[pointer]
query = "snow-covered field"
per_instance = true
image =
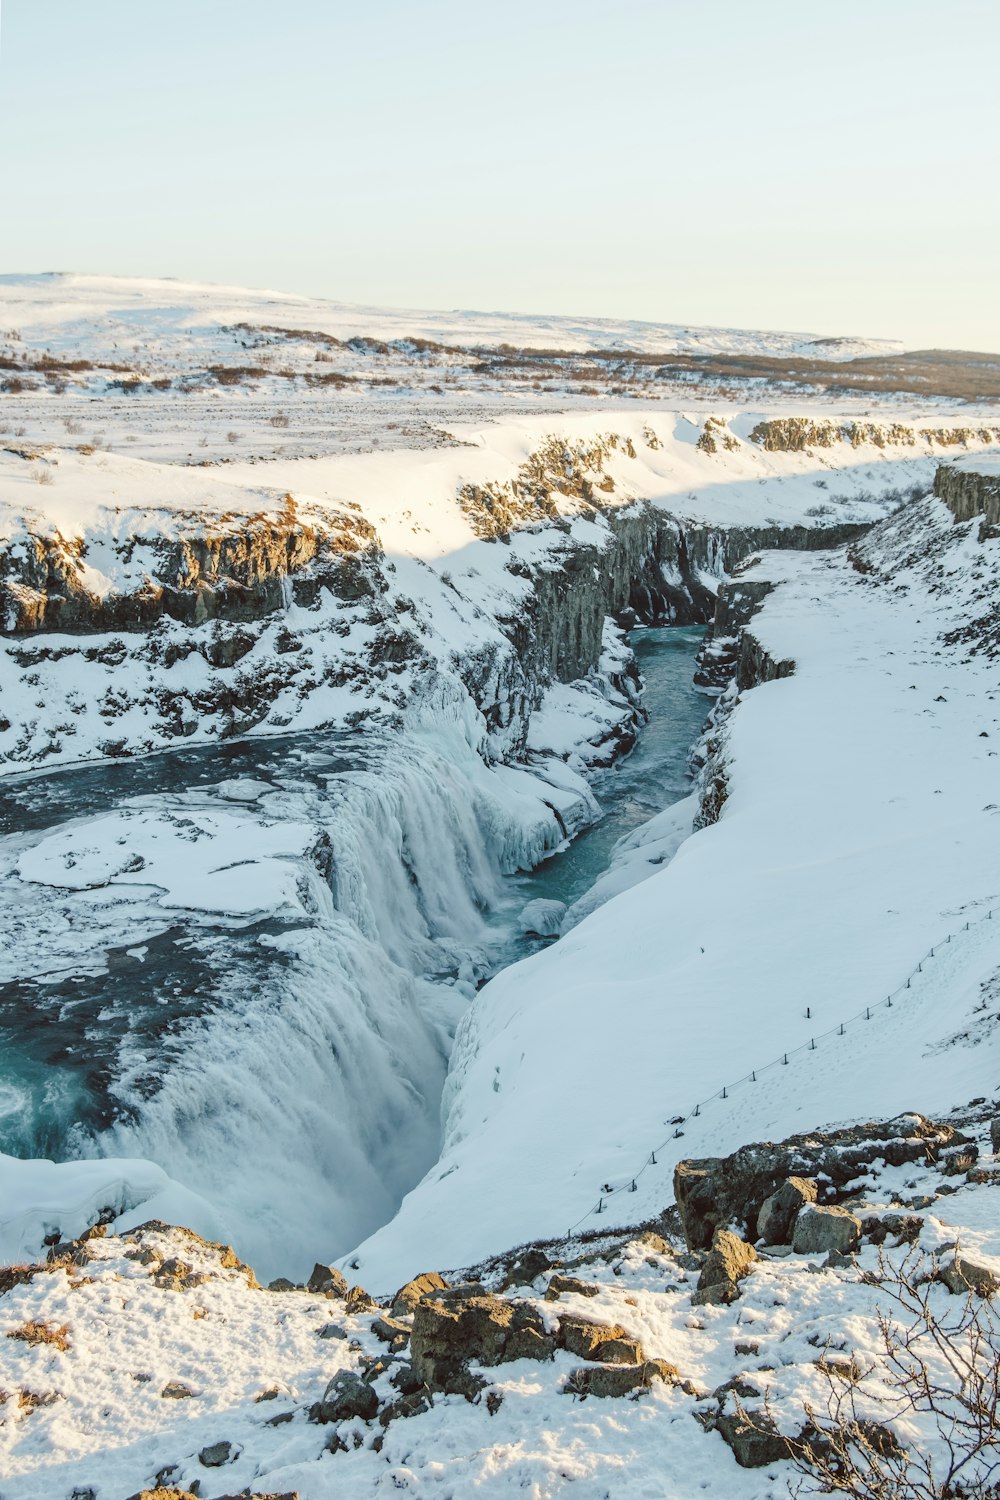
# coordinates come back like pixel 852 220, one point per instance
pixel 109 313
pixel 182 372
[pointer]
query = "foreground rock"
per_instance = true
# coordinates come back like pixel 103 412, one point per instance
pixel 469 1325
pixel 819 1230
pixel 714 1192
pixel 755 1441
pixel 347 1396
pixel 778 1213
pixel 961 1276
pixel 728 1262
pixel 406 1299
pixel 619 1380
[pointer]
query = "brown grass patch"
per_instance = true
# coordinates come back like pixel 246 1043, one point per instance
pixel 57 1336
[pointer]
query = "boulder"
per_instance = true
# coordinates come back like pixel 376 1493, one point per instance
pixel 652 1243
pixel 469 1325
pixel 777 1213
pixel 176 1390
pixel 904 1227
pixel 281 1284
pixel 163 1493
pixel 527 1267
pixel 626 1351
pixel 618 1380
pixel 995 1135
pixel 390 1332
pixel 358 1300
pixel 542 918
pixel 412 1405
pixel 822 1228
pixel 719 1294
pixel 729 1260
pixel 405 1379
pixel 347 1396
pixel 327 1279
pixel 560 1284
pixel 175 1269
pixel 409 1295
pixel 713 1192
pixel 217 1454
pixel 332 1331
pixel 878 1438
pixel 606 1342
pixel 961 1276
pixel 755 1441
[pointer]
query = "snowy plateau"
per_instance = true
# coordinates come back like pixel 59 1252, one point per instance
pixel 500 898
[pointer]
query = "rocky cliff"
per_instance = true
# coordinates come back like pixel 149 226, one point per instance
pixel 232 568
pixel 136 614
pixel 970 492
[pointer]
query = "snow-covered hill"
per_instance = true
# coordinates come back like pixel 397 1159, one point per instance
pixel 66 312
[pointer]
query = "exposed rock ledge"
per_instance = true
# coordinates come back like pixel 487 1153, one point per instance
pixel 971 491
pixel 294 612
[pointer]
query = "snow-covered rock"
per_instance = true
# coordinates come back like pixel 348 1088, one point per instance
pixel 542 918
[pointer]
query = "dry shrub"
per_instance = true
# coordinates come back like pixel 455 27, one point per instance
pixel 939 1365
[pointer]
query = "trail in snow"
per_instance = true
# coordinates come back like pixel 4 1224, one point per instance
pixel 924 989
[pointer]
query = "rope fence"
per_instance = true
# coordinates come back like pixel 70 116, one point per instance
pixel 630 1184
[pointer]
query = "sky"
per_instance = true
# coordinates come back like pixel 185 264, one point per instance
pixel 783 164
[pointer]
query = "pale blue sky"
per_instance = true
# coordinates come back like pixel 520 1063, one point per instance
pixel 796 164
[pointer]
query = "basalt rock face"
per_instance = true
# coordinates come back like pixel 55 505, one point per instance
pixel 652 570
pixel 113 618
pixel 969 494
pixel 240 571
pixel 729 650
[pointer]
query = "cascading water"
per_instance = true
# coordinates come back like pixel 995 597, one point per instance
pixel 258 954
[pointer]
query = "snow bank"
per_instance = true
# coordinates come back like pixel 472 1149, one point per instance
pixel 42 1200
pixel 860 827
